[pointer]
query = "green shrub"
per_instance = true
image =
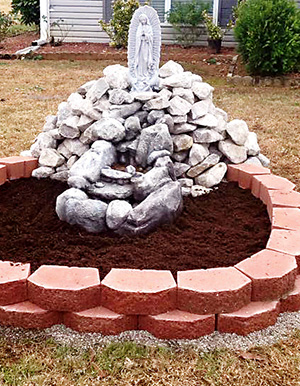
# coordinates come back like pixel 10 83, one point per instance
pixel 186 18
pixel 268 36
pixel 5 22
pixel 29 10
pixel 118 27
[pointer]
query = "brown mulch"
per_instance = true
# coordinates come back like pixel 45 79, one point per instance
pixel 215 230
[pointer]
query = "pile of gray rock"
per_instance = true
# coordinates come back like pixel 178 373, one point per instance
pixel 130 157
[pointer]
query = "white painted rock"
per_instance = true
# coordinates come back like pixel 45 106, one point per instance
pixel 200 109
pixel 181 128
pixel 68 128
pixel 251 144
pixel 209 161
pixel 183 79
pixel 108 129
pixel 82 90
pixel 184 93
pixel 117 76
pixel 208 120
pixel 238 131
pixel 51 158
pixel 235 153
pixel 43 141
pixel 198 153
pixel 179 106
pixel 117 212
pixel 97 90
pixel 202 90
pixel 206 136
pixel 170 68
pixel 264 160
pixel 42 172
pixel 212 176
pixel 159 103
pixel 253 161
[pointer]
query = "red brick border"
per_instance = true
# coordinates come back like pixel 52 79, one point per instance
pixel 239 299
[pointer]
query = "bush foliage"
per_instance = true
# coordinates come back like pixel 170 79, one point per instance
pixel 5 22
pixel 268 36
pixel 118 27
pixel 29 10
pixel 186 18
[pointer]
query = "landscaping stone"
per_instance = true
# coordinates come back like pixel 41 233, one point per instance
pixel 212 176
pixel 238 131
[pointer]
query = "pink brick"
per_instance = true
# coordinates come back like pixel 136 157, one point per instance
pixel 291 302
pixel 177 325
pixel 3 174
pixel 286 218
pixel 232 173
pixel 15 167
pixel 64 288
pixel 101 320
pixel 28 315
pixel 286 242
pixel 213 291
pixel 13 282
pixel 246 173
pixel 272 273
pixel 133 291
pixel 279 199
pixel 261 185
pixel 30 163
pixel 253 317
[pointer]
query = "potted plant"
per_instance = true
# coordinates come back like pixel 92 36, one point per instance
pixel 215 33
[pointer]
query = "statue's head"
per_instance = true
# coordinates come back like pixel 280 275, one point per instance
pixel 143 19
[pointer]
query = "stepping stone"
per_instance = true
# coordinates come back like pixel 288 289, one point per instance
pixel 143 292
pixel 272 273
pixel 101 320
pixel 212 291
pixel 253 317
pixel 13 282
pixel 28 315
pixel 177 325
pixel 62 288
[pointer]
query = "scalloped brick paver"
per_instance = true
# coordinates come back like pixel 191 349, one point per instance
pixel 134 291
pixel 213 291
pixel 262 184
pixel 286 218
pixel 13 282
pixel 272 273
pixel 101 320
pixel 232 173
pixel 278 199
pixel 3 174
pixel 291 302
pixel 64 288
pixel 253 317
pixel 30 163
pixel 246 173
pixel 285 241
pixel 15 167
pixel 177 325
pixel 28 315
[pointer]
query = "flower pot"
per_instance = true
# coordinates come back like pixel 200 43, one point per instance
pixel 214 45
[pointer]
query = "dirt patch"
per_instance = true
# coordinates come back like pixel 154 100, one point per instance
pixel 15 43
pixel 216 230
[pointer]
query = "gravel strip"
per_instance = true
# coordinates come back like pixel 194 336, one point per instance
pixel 286 324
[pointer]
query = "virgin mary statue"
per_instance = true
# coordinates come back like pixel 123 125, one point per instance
pixel 144 48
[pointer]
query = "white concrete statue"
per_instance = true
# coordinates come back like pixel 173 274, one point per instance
pixel 144 44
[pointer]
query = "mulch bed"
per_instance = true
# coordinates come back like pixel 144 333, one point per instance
pixel 216 230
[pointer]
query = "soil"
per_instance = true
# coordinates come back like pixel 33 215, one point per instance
pixel 216 230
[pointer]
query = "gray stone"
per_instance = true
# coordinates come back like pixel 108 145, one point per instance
pixel 149 182
pixel 114 174
pixel 156 137
pixel 185 191
pixel 253 161
pixel 238 131
pixel 64 151
pixel 131 170
pixel 89 165
pixel 198 190
pixel 85 87
pixel 88 214
pixel 55 134
pixel 209 161
pixel 202 90
pixel 179 119
pixel 161 206
pixel 154 116
pixel 251 144
pixel 85 138
pixel 117 76
pixel 168 120
pixel 117 213
pixel 102 104
pixel 157 154
pixel 125 146
pixel 183 80
pixel 42 172
pixel 179 106
pixel 206 136
pixel 180 168
pixel 43 141
pixel 123 111
pixel 165 93
pixel 156 104
pixel 212 176
pixel 118 97
pixel 75 101
pixel 221 126
pixel 183 128
pixel 78 182
pixel 108 129
pixel 264 160
pixel 69 129
pixel 75 147
pixel 61 168
pixel 64 111
pixel 111 191
pixel 221 113
pixel 197 154
pixel 170 68
pixel 184 93
pixel 142 116
pixel 182 142
pixel 62 199
pixel 181 156
pixel 71 161
pixel 200 109
pixel 26 153
pixel 97 90
pixel 235 153
pixel 186 182
pixel 133 127
pixel 208 120
pixel 60 176
pixel 51 158
pixel 144 96
pixel 50 123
